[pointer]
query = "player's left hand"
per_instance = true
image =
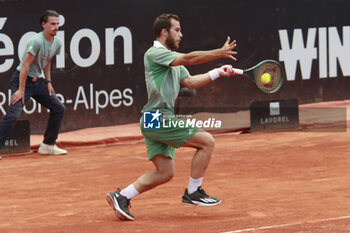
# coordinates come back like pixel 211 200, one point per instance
pixel 50 89
pixel 227 49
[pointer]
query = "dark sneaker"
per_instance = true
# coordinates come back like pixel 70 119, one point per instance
pixel 120 205
pixel 199 198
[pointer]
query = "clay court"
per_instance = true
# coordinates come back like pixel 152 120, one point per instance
pixel 296 181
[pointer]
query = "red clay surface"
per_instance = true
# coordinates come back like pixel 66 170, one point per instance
pixel 268 182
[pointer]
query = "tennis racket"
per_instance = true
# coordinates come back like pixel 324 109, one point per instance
pixel 268 75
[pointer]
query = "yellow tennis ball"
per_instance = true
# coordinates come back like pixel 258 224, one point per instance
pixel 266 78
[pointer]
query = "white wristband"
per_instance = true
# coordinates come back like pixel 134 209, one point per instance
pixel 214 74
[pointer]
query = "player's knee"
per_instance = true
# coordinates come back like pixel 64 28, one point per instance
pixel 166 175
pixel 61 108
pixel 168 178
pixel 165 168
pixel 57 108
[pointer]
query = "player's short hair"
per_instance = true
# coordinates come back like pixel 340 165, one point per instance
pixel 163 22
pixel 46 14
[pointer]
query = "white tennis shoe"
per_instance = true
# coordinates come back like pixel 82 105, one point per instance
pixel 51 150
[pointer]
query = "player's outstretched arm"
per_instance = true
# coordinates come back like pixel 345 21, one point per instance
pixel 197 81
pixel 198 57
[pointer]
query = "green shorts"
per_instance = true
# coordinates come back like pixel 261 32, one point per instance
pixel 164 140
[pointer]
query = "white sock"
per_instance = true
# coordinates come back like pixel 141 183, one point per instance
pixel 194 184
pixel 129 192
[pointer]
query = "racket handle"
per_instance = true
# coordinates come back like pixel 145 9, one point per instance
pixel 238 71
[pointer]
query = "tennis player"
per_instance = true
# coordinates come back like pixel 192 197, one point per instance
pixel 164 73
pixel 27 82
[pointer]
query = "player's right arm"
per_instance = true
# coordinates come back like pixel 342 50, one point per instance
pixel 198 57
pixel 19 94
pixel 199 80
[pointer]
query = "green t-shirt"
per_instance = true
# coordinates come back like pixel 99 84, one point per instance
pixel 42 51
pixel 162 79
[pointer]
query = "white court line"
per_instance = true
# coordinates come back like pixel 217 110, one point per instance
pixel 289 224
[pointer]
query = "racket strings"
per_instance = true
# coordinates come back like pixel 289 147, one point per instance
pixel 276 75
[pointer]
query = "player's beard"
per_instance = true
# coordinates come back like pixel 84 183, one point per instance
pixel 171 43
pixel 53 33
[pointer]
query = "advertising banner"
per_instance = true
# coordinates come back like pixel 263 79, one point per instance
pixel 99 73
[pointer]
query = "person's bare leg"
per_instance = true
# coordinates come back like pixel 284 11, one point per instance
pixel 194 194
pixel 120 199
pixel 204 143
pixel 164 172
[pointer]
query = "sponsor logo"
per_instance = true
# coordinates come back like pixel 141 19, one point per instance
pixel 208 200
pixel 274 117
pixel 328 46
